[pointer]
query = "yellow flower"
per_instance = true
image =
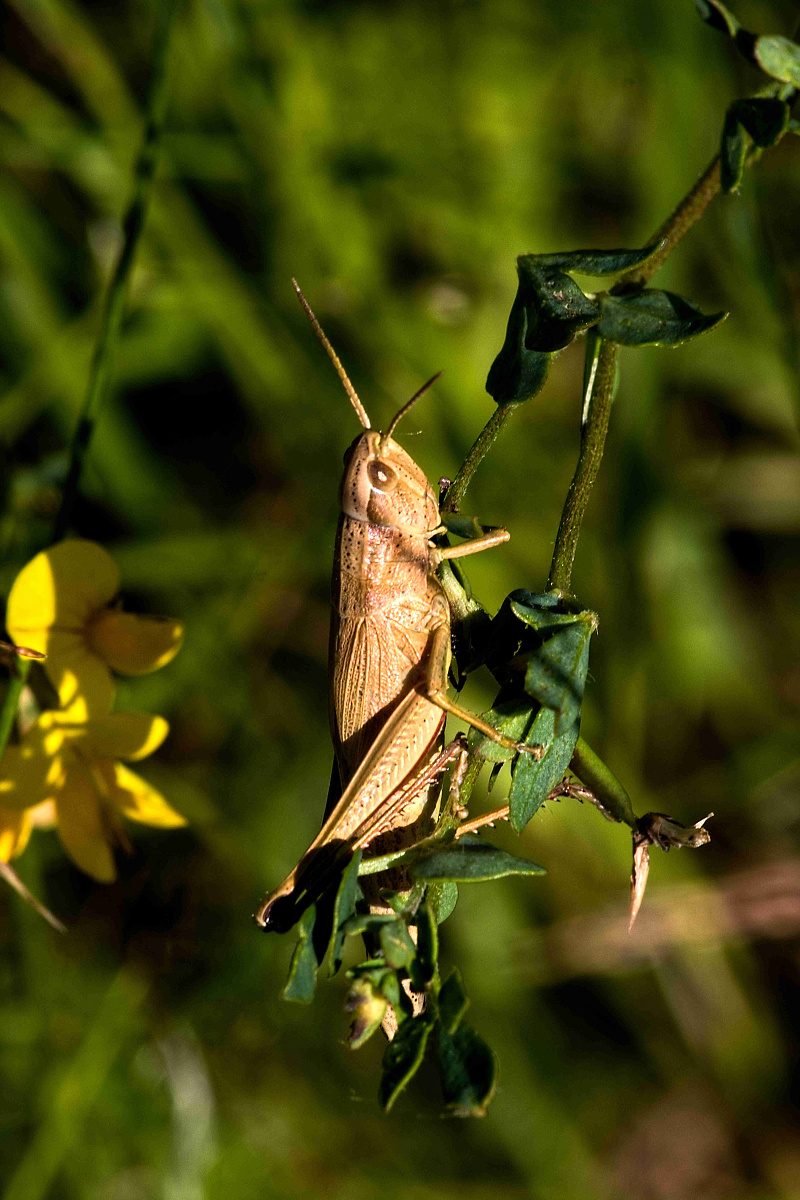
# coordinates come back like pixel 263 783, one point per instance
pixel 69 758
pixel 59 605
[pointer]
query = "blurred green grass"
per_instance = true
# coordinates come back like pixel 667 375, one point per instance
pixel 395 158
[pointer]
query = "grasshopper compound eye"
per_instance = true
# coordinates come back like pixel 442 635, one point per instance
pixel 381 475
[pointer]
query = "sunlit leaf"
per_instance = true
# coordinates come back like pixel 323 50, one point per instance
pixel 533 780
pixel 442 898
pixel 779 57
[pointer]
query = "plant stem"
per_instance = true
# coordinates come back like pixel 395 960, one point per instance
pixel 114 306
pixel 676 226
pixel 478 451
pixel 594 427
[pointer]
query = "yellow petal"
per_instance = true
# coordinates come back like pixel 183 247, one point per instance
pixel 81 827
pixel 77 673
pixel 34 770
pixel 61 586
pixel 140 801
pixel 132 644
pixel 130 735
pixel 15 829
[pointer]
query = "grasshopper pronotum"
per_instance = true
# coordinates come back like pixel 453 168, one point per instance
pixel 389 656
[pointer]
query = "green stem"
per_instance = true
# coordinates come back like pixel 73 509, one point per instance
pixel 676 226
pixel 480 448
pixel 594 427
pixel 8 712
pixel 602 782
pixel 113 309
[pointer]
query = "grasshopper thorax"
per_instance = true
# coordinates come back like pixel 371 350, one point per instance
pixel 382 485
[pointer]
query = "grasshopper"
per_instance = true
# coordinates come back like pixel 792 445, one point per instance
pixel 388 660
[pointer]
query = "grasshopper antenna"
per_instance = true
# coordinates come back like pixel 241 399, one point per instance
pixel 361 412
pixel 409 404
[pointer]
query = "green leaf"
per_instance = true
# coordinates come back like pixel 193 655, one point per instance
pixel 733 149
pixel 519 371
pixel 302 978
pixel 402 1059
pixel 463 526
pixel 717 16
pixel 453 1002
pixel 764 117
pixel 556 673
pixel 594 262
pixel 367 922
pixel 511 718
pixel 442 897
pixel 343 908
pixel 653 318
pixel 779 57
pixel 470 860
pixel 427 944
pixel 468 1070
pixel 532 781
pixel 557 308
pixel 396 944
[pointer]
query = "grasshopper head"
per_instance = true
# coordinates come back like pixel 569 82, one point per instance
pixel 384 486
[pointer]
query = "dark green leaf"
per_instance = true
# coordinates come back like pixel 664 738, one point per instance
pixel 468 1069
pixel 302 978
pixel 653 318
pixel 470 860
pixel 518 372
pixel 402 1059
pixel 532 780
pixel 556 673
pixel 764 117
pixel 556 307
pixel 779 57
pixel 343 908
pixel 453 1002
pixel 427 943
pixel 733 149
pixel 442 898
pixel 396 944
pixel 594 262
pixel 462 526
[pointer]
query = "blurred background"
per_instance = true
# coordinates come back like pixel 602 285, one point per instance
pixel 396 157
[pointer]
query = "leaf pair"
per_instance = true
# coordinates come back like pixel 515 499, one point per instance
pixel 777 56
pixel 550 309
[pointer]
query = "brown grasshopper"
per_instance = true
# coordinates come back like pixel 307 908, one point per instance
pixel 389 658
